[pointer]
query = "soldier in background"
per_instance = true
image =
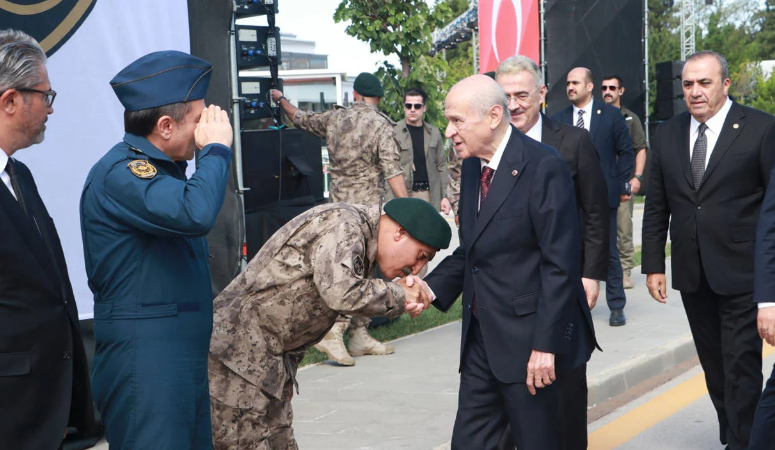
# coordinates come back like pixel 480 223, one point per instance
pixel 316 267
pixel 362 151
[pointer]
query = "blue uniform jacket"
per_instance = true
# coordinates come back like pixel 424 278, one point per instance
pixel 147 263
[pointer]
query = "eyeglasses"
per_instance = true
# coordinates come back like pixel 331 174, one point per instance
pixel 49 94
pixel 520 97
pixel 609 88
pixel 415 105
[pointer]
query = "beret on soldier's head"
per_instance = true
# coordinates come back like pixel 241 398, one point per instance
pixel 421 220
pixel 368 85
pixel 162 78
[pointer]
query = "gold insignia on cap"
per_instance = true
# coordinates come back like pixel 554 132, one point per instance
pixel 735 126
pixel 142 169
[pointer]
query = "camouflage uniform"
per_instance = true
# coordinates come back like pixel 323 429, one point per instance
pixel 285 301
pixel 362 152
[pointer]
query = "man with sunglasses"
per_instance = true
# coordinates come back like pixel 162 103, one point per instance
pixel 423 159
pixel 44 376
pixel 612 90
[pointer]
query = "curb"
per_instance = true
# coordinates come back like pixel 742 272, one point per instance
pixel 623 376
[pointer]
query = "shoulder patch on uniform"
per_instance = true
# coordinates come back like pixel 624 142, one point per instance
pixel 142 169
pixel 358 265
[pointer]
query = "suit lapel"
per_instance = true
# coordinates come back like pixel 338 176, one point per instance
pixel 25 226
pixel 507 175
pixel 594 118
pixel 684 152
pixel 470 174
pixel 733 125
pixel 550 133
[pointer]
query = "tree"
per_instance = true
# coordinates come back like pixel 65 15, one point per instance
pixel 401 28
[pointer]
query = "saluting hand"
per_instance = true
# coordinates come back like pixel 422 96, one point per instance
pixel 214 128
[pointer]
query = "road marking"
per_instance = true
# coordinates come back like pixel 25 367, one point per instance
pixel 645 416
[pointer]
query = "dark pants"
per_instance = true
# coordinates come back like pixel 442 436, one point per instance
pixel 730 351
pixel 574 411
pixel 763 432
pixel 614 287
pixel 486 406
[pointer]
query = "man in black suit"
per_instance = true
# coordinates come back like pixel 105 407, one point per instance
pixel 526 322
pixel 614 147
pixel 521 78
pixel 44 378
pixel 710 168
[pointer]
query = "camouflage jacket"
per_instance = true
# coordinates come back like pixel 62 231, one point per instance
pixel 289 296
pixel 453 188
pixel 362 150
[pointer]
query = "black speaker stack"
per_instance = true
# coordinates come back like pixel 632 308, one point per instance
pixel 670 96
pixel 282 168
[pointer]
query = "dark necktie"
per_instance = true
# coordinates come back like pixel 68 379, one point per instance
pixel 698 156
pixel 484 184
pixel 10 169
pixel 580 122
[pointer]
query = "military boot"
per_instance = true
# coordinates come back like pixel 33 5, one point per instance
pixel 333 345
pixel 361 343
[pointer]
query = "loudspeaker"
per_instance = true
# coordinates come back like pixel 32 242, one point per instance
pixel 666 109
pixel 281 165
pixel 668 89
pixel 605 37
pixel 669 70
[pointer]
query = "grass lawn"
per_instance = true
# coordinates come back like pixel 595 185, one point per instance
pixel 404 326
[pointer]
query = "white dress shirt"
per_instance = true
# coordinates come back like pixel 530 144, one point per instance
pixel 3 174
pixel 536 132
pixel 715 124
pixel 587 114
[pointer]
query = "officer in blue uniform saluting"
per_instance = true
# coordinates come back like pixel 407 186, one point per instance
pixel 144 227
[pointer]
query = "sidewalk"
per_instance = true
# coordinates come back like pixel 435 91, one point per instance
pixel 408 400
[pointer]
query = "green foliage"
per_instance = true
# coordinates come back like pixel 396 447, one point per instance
pixel 765 95
pixel 402 29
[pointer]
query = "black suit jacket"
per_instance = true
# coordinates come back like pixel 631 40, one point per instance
pixel 613 144
pixel 576 148
pixel 519 257
pixel 713 228
pixel 44 378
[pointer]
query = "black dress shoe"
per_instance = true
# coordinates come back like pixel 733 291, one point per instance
pixel 617 318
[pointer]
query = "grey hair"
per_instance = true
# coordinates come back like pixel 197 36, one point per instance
pixel 21 59
pixel 520 63
pixel 491 94
pixel 709 53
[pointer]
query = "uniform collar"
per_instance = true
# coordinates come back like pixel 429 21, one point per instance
pixel 145 147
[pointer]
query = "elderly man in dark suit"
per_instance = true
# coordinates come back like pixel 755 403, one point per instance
pixel 614 146
pixel 526 322
pixel 521 78
pixel 44 378
pixel 710 168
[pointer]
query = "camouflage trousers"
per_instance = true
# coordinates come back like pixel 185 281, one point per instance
pixel 264 426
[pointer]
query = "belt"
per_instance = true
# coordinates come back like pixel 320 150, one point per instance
pixel 421 186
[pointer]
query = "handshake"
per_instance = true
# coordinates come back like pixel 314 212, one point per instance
pixel 418 295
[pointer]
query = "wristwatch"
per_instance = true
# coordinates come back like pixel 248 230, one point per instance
pixel 639 177
pixel 282 97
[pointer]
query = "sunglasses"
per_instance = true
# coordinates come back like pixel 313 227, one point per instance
pixel 609 88
pixel 415 105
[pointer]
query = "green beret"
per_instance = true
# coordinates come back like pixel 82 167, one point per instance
pixel 421 220
pixel 368 85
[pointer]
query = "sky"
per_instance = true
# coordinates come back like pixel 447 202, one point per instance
pixel 313 20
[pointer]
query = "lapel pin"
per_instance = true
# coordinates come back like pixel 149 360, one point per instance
pixel 735 126
pixel 599 111
pixel 514 173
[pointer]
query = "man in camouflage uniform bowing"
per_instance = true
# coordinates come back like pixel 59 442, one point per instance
pixel 313 269
pixel 362 151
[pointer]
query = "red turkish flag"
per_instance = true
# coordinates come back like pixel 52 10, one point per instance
pixel 507 28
